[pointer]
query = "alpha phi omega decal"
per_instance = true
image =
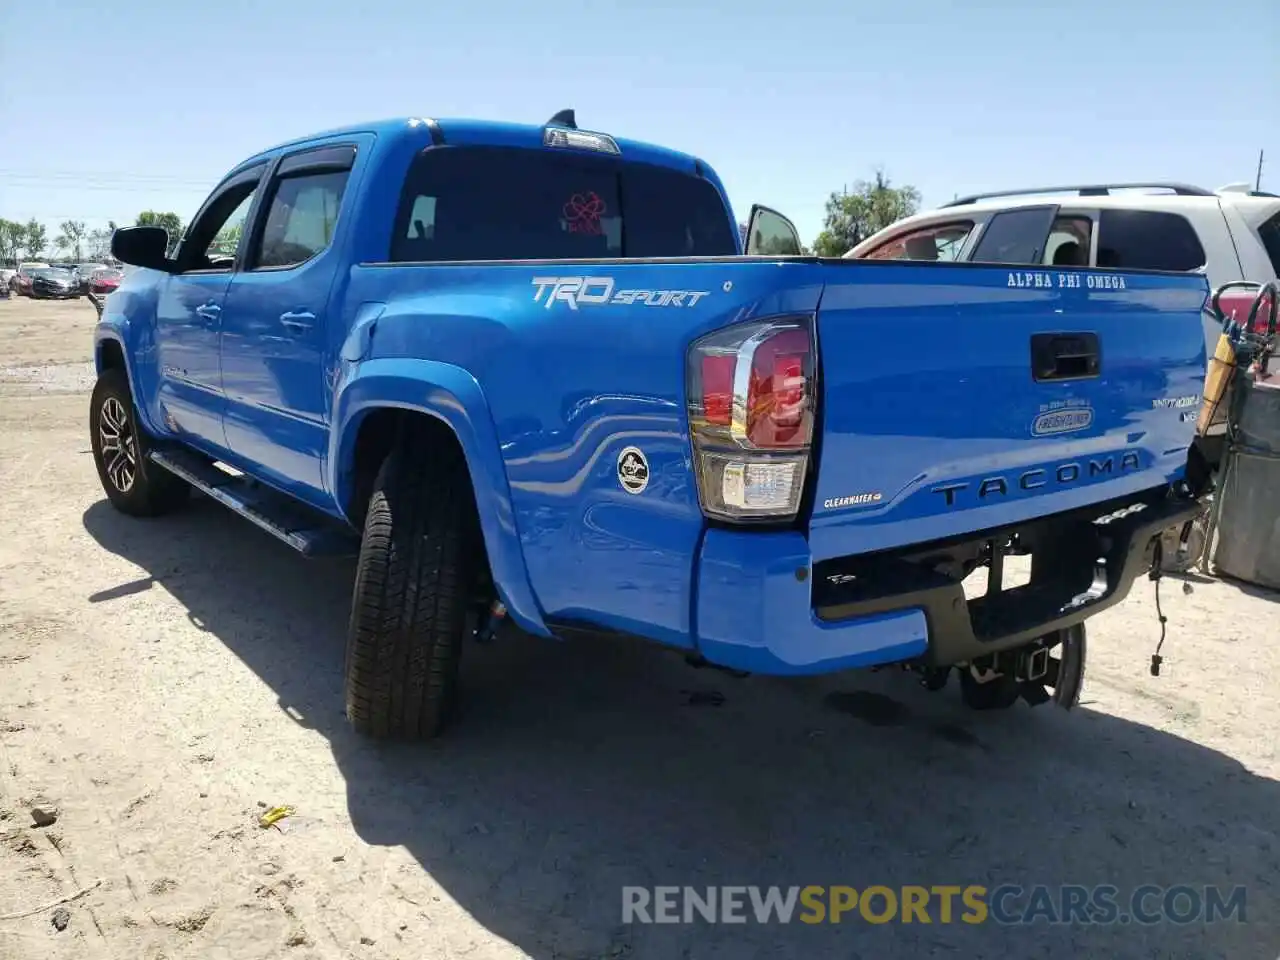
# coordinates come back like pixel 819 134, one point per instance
pixel 633 470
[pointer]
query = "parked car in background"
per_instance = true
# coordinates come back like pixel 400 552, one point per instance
pixel 1232 233
pixel 20 284
pixel 86 272
pixel 105 280
pixel 55 283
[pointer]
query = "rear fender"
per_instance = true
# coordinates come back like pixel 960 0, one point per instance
pixel 451 395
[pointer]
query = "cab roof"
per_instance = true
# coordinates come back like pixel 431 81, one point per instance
pixel 486 133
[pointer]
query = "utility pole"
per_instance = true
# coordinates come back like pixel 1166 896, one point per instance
pixel 1258 183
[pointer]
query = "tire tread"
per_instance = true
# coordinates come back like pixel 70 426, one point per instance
pixel 409 605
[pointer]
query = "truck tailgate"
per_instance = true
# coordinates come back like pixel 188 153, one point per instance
pixel 957 398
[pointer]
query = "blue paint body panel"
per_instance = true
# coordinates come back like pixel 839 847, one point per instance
pixel 755 615
pixel 925 388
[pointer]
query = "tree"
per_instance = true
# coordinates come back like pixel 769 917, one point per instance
pixel 13 238
pixel 36 237
pixel 71 237
pixel 99 243
pixel 854 215
pixel 170 221
pixel 227 240
pixel 100 240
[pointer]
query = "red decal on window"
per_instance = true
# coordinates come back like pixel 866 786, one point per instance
pixel 583 212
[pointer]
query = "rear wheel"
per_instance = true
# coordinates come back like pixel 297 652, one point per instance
pixel 419 560
pixel 132 484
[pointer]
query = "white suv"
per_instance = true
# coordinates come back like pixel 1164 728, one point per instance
pixel 1229 234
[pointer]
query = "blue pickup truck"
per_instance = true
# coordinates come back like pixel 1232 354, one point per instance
pixel 533 373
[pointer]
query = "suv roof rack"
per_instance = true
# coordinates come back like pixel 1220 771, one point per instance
pixel 1085 190
pixel 1246 189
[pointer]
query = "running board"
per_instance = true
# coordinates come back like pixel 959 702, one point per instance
pixel 307 531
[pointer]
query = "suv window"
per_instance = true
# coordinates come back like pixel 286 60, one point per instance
pixel 1148 240
pixel 1269 234
pixel 1015 236
pixel 491 203
pixel 301 219
pixel 1068 243
pixel 938 242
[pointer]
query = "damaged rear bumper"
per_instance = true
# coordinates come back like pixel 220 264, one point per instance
pixel 764 606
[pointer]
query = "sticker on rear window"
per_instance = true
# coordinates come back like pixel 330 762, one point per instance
pixel 583 213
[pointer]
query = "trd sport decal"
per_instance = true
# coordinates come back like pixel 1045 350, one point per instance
pixel 574 292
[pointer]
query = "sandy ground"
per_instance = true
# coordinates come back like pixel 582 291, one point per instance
pixel 162 682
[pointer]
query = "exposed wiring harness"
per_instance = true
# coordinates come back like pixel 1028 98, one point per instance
pixel 1157 562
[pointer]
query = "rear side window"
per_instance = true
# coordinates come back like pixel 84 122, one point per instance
pixel 485 203
pixel 1068 244
pixel 1269 234
pixel 1148 240
pixel 1015 236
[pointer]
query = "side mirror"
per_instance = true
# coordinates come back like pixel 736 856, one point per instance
pixel 770 234
pixel 142 247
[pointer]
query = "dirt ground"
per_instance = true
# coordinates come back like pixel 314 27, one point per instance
pixel 162 683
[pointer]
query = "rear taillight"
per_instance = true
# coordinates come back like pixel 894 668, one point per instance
pixel 751 405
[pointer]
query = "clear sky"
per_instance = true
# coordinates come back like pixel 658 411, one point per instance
pixel 108 108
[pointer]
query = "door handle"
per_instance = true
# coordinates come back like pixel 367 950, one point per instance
pixel 209 311
pixel 298 319
pixel 1065 356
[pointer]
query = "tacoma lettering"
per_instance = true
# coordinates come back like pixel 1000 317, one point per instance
pixel 1063 475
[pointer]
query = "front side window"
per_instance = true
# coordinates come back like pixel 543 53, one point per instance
pixel 938 242
pixel 227 240
pixel 486 203
pixel 210 243
pixel 301 219
pixel 773 235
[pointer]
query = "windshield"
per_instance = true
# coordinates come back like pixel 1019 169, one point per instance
pixel 488 203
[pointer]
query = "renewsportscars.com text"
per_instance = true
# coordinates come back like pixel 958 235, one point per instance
pixel 1008 904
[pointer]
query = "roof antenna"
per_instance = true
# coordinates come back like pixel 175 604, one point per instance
pixel 564 118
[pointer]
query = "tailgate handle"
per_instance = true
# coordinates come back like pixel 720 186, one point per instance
pixel 1065 356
